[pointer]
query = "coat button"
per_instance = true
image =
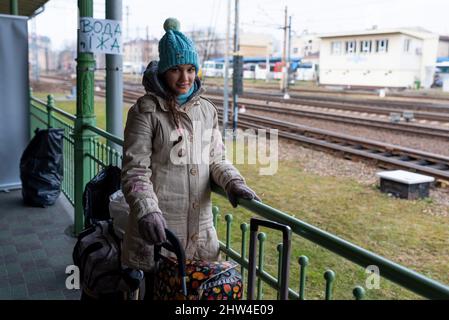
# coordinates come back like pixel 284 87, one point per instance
pixel 181 153
pixel 195 237
pixel 212 153
pixel 195 205
pixel 193 171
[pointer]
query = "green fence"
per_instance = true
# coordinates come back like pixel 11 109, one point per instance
pixel 45 114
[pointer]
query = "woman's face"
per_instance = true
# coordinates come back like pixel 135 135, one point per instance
pixel 180 78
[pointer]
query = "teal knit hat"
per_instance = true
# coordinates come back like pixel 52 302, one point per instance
pixel 175 48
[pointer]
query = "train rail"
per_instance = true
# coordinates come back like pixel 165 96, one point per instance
pixel 438 113
pixel 414 128
pixel 384 155
pixel 323 101
pixel 370 93
pixel 411 128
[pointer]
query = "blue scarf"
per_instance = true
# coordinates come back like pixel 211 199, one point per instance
pixel 182 98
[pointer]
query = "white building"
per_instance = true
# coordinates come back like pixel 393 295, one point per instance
pixel 379 58
pixel 256 45
pixel 304 45
pixel 443 46
pixel 138 53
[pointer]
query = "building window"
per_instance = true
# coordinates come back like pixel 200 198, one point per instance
pixel 335 47
pixel 382 45
pixel 295 50
pixel 351 46
pixel 407 45
pixel 365 46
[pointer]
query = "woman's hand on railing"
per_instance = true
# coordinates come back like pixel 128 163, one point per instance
pixel 238 189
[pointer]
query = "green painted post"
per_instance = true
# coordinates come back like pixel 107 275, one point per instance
pixel 358 292
pixel 50 107
pixel 329 275
pixel 85 115
pixel 228 219
pixel 303 262
pixel 215 213
pixel 261 237
pixel 279 249
pixel 244 227
pixel 14 7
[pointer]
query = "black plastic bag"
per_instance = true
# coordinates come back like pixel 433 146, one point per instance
pixel 96 194
pixel 41 168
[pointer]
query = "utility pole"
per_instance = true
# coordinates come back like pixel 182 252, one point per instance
pixel 284 59
pixel 114 81
pixel 235 71
pixel 226 74
pixel 289 58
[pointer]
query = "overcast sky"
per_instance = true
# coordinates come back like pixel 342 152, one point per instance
pixel 58 21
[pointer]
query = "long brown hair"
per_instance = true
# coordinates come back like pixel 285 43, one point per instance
pixel 171 103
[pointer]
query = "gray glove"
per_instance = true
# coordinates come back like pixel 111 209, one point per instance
pixel 152 228
pixel 238 189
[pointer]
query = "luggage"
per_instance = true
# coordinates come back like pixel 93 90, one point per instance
pixel 96 194
pixel 181 279
pixel 255 223
pixel 119 211
pixel 41 168
pixel 97 255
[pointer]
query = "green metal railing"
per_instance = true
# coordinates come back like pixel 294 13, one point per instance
pixel 45 114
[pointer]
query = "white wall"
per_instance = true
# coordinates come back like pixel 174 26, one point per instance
pixel 443 48
pixel 394 68
pixel 429 59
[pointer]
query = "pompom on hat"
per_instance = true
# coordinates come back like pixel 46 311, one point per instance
pixel 175 48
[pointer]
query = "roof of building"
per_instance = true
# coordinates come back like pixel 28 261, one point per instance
pixel 26 7
pixel 416 32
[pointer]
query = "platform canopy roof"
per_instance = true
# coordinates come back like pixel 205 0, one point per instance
pixel 26 7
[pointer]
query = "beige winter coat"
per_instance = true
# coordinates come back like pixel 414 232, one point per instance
pixel 161 175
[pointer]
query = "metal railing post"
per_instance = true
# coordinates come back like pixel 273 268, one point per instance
pixel 14 7
pixel 50 107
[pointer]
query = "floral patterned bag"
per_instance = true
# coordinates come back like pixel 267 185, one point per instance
pixel 181 279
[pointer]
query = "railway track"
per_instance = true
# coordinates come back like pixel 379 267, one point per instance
pixel 372 94
pixel 325 101
pixel 414 128
pixel 438 114
pixel 384 155
pixel 383 111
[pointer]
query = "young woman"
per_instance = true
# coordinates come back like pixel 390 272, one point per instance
pixel 173 150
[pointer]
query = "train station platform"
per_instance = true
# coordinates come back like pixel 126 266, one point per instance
pixel 35 249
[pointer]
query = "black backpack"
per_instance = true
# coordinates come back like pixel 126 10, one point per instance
pixel 96 194
pixel 97 255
